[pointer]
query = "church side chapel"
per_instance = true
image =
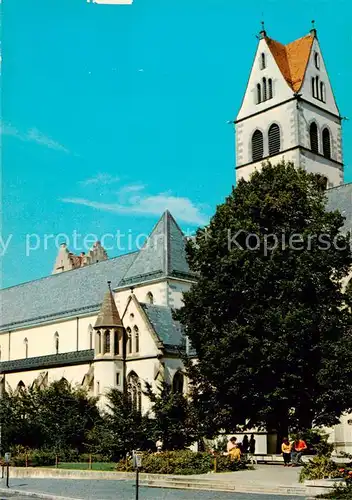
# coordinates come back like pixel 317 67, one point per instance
pixel 104 322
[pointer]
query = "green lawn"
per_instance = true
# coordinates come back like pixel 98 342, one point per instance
pixel 104 466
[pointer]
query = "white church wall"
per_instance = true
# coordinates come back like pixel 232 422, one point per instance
pixel 286 118
pixel 157 289
pixel 73 335
pixel 312 71
pixel 281 90
pixel 176 288
pixel 5 342
pixel 73 374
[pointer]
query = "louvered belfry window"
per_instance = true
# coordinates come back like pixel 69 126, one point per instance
pixel 314 138
pixel 326 143
pixel 274 139
pixel 257 146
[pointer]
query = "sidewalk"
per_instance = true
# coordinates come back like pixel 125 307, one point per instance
pixel 270 480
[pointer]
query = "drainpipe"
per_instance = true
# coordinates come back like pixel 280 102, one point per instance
pixel 77 333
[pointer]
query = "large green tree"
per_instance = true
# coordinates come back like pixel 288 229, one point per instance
pixel 57 417
pixel 173 419
pixel 267 318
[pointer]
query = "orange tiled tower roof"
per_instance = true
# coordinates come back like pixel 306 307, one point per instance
pixel 292 59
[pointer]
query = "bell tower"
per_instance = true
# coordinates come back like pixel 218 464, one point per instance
pixel 289 111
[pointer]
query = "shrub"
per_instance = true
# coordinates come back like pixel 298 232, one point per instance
pixel 320 467
pixel 339 493
pixel 33 458
pixel 317 442
pixel 181 462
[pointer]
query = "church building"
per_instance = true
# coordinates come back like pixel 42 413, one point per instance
pixel 103 323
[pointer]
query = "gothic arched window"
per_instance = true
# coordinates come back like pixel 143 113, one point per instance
pixel 274 139
pixel 20 386
pixel 264 90
pixel 136 338
pixel 317 60
pixel 98 337
pixel 262 61
pixel 313 86
pixel 322 91
pixel 57 342
pixel 116 343
pixel 150 298
pixel 326 143
pixel 270 88
pixel 259 93
pixel 178 382
pixel 313 132
pixel 257 146
pixel 26 347
pixel 129 340
pixel 106 342
pixel 317 87
pixel 134 391
pixel 90 336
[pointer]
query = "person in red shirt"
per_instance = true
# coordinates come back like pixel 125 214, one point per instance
pixel 298 448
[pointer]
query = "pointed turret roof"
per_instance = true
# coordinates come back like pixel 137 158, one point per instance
pixel 292 59
pixel 108 315
pixel 163 254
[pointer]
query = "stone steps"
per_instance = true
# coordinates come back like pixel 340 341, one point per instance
pixel 218 485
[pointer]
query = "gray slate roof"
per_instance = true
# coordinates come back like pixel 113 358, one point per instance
pixel 60 295
pixel 169 331
pixel 81 291
pixel 50 361
pixel 163 254
pixel 340 198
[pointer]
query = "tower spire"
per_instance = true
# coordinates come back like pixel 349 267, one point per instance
pixel 262 33
pixel 313 30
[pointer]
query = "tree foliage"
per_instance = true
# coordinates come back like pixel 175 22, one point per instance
pixel 173 420
pixel 272 338
pixel 57 417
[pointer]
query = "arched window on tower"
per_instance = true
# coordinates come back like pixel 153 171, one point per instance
pixel 326 143
pixel 262 61
pixel 25 347
pixel 136 338
pixel 259 93
pixel 264 90
pixel 57 342
pixel 274 139
pixel 98 338
pixel 313 86
pixel 270 88
pixel 178 383
pixel 150 298
pixel 257 146
pixel 317 60
pixel 116 343
pixel 106 342
pixel 317 87
pixel 313 132
pixel 322 91
pixel 134 391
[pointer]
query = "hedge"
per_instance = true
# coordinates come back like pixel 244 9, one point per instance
pixel 181 462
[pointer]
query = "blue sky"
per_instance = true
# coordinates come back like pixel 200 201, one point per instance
pixel 113 113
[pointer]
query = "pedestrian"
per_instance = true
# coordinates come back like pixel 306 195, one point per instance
pixel 252 445
pixel 235 453
pixel 231 444
pixel 298 447
pixel 245 444
pixel 286 451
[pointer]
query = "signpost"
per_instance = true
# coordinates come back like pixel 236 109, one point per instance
pixel 7 460
pixel 137 463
